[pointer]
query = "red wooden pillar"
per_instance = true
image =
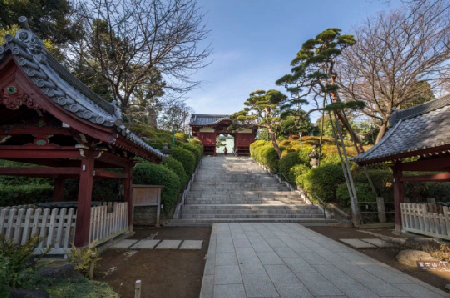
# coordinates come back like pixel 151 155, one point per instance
pixel 128 195
pixel 58 190
pixel 399 196
pixel 84 200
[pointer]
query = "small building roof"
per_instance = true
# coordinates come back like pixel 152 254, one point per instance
pixel 211 119
pixel 207 119
pixel 63 88
pixel 412 131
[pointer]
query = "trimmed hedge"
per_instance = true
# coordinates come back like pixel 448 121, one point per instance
pixel 176 167
pixel 197 143
pixel 158 174
pixel 266 155
pixel 12 195
pixel 323 181
pixel 288 161
pixel 186 158
pixel 363 192
pixel 194 150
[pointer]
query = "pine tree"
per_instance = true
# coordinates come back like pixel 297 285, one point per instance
pixel 313 75
pixel 264 107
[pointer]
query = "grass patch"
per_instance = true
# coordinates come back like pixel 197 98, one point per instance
pixel 78 288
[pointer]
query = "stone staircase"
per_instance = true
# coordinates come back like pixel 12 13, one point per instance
pixel 230 189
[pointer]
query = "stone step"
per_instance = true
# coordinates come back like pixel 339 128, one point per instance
pixel 270 206
pixel 201 216
pixel 241 201
pixel 238 190
pixel 249 211
pixel 175 222
pixel 240 195
pixel 238 187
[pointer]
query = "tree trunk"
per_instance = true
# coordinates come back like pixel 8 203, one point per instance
pixel 381 132
pixel 152 117
pixel 273 138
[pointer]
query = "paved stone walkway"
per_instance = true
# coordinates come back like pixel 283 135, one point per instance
pixel 289 260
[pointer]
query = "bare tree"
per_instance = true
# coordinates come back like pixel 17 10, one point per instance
pixel 126 41
pixel 176 116
pixel 399 56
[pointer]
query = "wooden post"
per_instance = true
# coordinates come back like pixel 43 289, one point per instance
pixel 128 195
pixel 91 266
pixel 58 190
pixel 84 200
pixel 381 210
pixel 137 289
pixel 399 195
pixel 158 208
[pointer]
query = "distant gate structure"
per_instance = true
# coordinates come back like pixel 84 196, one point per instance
pixel 206 127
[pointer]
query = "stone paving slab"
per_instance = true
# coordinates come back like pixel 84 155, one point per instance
pixel 376 241
pixel 145 244
pixel 192 244
pixel 357 243
pixel 289 260
pixel 124 243
pixel 169 244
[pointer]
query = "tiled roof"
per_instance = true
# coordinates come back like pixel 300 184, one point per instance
pixel 417 128
pixel 207 119
pixel 61 86
pixel 211 119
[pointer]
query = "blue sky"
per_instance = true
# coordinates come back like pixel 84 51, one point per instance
pixel 254 42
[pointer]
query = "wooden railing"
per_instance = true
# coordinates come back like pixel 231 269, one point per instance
pixel 428 219
pixel 57 226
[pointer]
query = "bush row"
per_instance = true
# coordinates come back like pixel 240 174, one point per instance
pixel 328 180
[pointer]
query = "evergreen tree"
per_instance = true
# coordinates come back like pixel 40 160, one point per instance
pixel 264 107
pixel 49 19
pixel 313 74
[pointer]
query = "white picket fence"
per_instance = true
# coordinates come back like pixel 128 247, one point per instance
pixel 428 219
pixel 57 226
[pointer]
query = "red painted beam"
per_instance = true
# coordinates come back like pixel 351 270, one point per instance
pixel 435 151
pixel 17 130
pixel 84 200
pixel 35 151
pixel 427 165
pixel 39 171
pixel 98 173
pixel 440 177
pixel 113 159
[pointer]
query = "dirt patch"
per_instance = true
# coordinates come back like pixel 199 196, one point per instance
pixel 164 273
pixel 386 255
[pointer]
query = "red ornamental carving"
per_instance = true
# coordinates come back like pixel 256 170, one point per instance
pixel 13 102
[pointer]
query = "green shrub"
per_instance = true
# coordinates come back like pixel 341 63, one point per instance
pixel 176 167
pixel 82 257
pixel 186 158
pixel 323 181
pixel 297 170
pixel 286 163
pixel 157 174
pixel 381 179
pixel 11 195
pixel 438 190
pixel 255 145
pixel 267 156
pixel 18 264
pixel 197 143
pixel 363 192
pixel 194 150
